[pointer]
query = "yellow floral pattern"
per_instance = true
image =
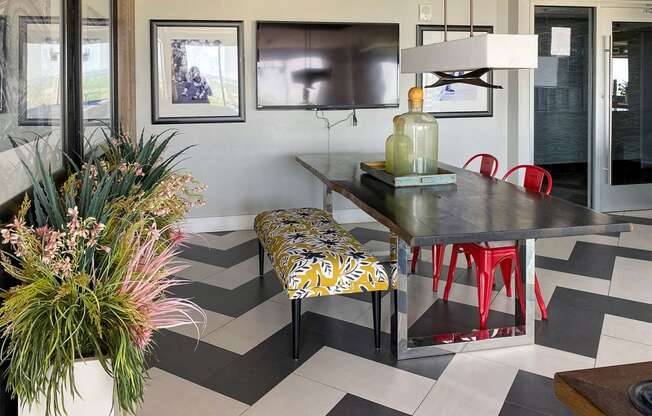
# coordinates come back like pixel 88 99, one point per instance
pixel 314 256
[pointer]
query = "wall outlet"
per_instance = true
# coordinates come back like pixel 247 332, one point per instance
pixel 425 12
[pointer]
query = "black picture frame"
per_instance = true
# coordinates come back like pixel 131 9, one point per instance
pixel 23 119
pixel 489 111
pixel 155 76
pixel 3 64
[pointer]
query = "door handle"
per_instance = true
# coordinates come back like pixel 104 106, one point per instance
pixel 608 49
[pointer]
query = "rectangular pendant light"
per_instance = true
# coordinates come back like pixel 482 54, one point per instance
pixel 492 51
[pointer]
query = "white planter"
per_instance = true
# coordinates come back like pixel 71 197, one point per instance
pixel 95 389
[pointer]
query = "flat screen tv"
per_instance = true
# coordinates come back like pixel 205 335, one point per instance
pixel 327 65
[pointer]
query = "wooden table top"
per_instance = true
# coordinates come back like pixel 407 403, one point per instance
pixel 601 391
pixel 475 209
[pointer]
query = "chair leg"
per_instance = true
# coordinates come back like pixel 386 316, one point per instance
pixel 469 260
pixel 506 270
pixel 437 264
pixel 296 327
pixel 416 252
pixel 540 301
pixel 484 290
pixel 375 302
pixel 451 272
pixel 261 259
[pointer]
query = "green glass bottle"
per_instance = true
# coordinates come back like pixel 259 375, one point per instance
pixel 422 131
pixel 403 150
pixel 389 149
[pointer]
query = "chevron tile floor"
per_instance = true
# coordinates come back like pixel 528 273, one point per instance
pixel 599 295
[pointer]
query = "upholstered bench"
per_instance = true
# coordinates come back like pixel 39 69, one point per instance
pixel 313 256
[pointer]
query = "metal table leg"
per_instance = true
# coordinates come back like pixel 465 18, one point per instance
pixel 522 333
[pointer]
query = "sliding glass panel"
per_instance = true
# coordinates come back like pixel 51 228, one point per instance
pixel 563 98
pixel 30 90
pixel 97 68
pixel 631 103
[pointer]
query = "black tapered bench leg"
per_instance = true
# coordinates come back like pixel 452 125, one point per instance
pixel 375 301
pixel 296 327
pixel 261 259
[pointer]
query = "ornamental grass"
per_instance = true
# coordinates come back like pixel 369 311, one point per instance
pixel 93 262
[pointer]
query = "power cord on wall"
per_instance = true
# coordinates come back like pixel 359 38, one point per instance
pixel 330 124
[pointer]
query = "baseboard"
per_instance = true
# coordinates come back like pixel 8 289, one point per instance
pixel 246 222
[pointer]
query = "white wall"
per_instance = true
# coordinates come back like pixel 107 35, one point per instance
pixel 249 167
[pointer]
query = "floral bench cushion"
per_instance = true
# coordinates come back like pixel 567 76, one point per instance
pixel 314 256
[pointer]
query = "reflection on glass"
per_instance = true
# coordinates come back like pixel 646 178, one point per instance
pixel 28 92
pixel 40 66
pixel 562 98
pixel 631 103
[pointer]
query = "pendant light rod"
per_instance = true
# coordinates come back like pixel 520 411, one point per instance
pixel 445 21
pixel 471 15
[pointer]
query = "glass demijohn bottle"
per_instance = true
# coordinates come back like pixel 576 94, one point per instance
pixel 421 130
pixel 389 149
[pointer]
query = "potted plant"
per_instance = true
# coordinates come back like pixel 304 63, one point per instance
pixel 94 262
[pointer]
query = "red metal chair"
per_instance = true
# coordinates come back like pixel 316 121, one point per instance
pixel 487 257
pixel 488 167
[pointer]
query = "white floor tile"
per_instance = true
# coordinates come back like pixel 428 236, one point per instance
pixel 632 279
pixel 248 330
pixel 370 225
pixel 469 386
pixel 370 380
pixel 374 246
pixel 550 279
pixel 214 321
pixel 338 307
pixel 224 242
pixel 197 271
pixel 169 395
pixel 640 237
pixel 297 396
pixel 627 329
pixel 237 275
pixel 616 351
pixel 536 359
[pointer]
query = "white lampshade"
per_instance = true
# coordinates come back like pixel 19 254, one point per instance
pixel 493 51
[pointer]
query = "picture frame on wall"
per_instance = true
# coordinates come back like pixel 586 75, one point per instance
pixel 454 100
pixel 197 71
pixel 3 65
pixel 39 68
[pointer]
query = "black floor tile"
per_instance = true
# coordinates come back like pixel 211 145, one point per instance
pixel 221 258
pixel 185 357
pixel 448 317
pixel 351 405
pixel 231 302
pixel 575 319
pixel 593 260
pixel 536 392
pixel 511 409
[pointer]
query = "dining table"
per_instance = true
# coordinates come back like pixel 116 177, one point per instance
pixel 475 208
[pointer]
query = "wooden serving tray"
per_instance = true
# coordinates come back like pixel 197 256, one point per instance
pixel 377 170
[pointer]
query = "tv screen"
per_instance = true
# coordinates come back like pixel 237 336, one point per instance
pixel 327 65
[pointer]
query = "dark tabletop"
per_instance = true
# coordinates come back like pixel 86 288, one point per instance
pixel 475 209
pixel 606 388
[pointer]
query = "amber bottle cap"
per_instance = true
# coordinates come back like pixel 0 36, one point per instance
pixel 415 94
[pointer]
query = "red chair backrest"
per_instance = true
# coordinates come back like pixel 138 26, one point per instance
pixel 534 178
pixel 488 164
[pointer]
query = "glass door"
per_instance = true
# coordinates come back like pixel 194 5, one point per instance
pixel 563 110
pixel 624 144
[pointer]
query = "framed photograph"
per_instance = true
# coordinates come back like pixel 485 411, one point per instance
pixel 454 100
pixel 40 71
pixel 3 66
pixel 197 72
